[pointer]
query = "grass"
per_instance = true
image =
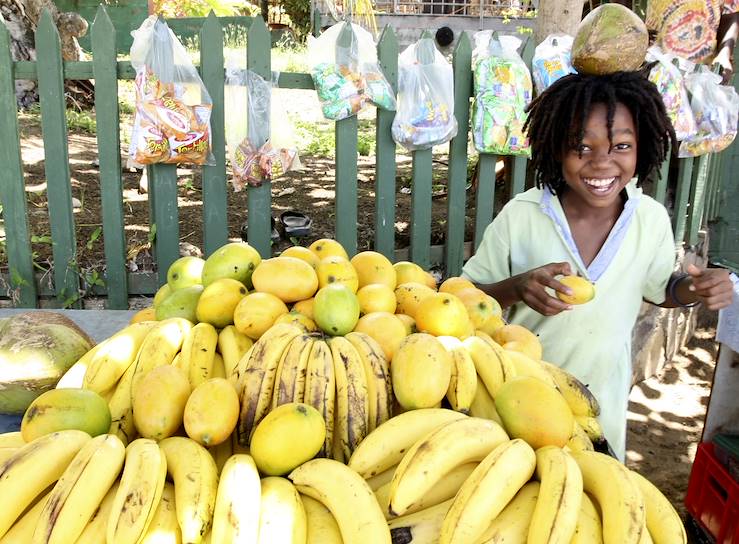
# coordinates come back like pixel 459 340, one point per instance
pixel 319 138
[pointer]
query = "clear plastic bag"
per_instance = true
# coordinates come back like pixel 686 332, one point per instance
pixel 260 141
pixel 425 115
pixel 552 60
pixel 172 121
pixel 716 111
pixel 346 73
pixel 502 88
pixel 670 84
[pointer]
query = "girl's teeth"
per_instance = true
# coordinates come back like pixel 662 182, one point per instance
pixel 599 182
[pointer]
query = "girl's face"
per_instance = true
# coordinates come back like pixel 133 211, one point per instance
pixel 595 172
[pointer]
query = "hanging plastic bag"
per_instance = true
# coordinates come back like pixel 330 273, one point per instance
pixel 669 81
pixel 552 60
pixel 258 134
pixel 502 88
pixel 716 111
pixel 425 115
pixel 345 72
pixel 172 120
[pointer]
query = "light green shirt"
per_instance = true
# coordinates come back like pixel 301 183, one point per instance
pixel 593 340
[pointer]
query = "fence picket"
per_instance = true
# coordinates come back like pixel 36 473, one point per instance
pixel 696 199
pixel 103 38
pixel 56 162
pixel 215 222
pixel 684 176
pixel 485 196
pixel 660 185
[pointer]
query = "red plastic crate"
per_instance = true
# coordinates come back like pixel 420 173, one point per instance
pixel 713 497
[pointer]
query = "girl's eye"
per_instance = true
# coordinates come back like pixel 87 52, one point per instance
pixel 622 146
pixel 582 148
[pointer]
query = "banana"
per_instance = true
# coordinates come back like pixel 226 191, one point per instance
pixel 221 453
pixel 282 516
pixel 33 468
pixel 663 522
pixel 512 524
pixel 198 351
pixel 487 363
pixel 163 528
pixel 347 496
pixel 619 498
pixel 73 378
pixel 579 440
pixel 7 453
pixel 592 428
pixel 588 529
pixel 237 375
pixel 463 382
pixel 236 514
pixel 483 404
pixel 526 366
pixel 379 480
pixel 509 371
pixel 421 527
pixel 94 531
pixel 463 441
pixel 259 377
pixel 219 371
pixel 121 408
pixel 578 396
pixel 320 389
pixel 115 356
pixel 384 447
pixel 22 530
pixel 558 506
pixel 444 490
pixel 646 538
pixel 139 492
pixel 13 439
pixel 376 369
pixel 195 478
pixel 352 404
pixel 232 345
pixel 488 490
pixel 321 525
pixel 294 358
pixel 80 490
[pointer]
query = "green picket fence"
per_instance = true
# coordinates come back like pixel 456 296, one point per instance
pixel 692 193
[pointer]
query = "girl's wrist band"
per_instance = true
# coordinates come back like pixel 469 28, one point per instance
pixel 672 288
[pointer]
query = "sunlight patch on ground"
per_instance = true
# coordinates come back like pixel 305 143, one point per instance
pixel 322 193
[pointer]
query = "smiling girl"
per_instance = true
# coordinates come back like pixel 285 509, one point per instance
pixel 590 135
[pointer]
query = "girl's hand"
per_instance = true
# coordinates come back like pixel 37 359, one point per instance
pixel 712 286
pixel 530 287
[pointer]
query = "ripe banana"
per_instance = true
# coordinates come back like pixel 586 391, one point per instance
pixel 94 531
pixel 232 345
pixel 509 371
pixel 421 527
pixel 22 530
pixel 488 490
pixel 115 356
pixel 463 441
pixel 463 382
pixel 195 478
pixel 321 525
pixel 619 498
pixel 236 514
pixel 13 439
pixel 237 375
pixel 579 440
pixel 74 377
pixel 259 377
pixel 592 428
pixel 80 490
pixel 663 522
pixel 384 447
pixel 320 390
pixel 558 506
pixel 589 529
pixel 163 528
pixel 526 366
pixel 352 404
pixel 33 468
pixel 578 396
pixel 483 404
pixel 139 492
pixel 512 524
pixel 347 496
pixel 294 358
pixel 282 516
pixel 377 372
pixel 376 482
pixel 121 408
pixel 219 371
pixel 487 363
pixel 198 351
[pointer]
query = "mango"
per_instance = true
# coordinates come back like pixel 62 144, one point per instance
pixel 517 333
pixel 326 247
pixel 421 369
pixel 62 409
pixel 162 293
pixel 288 278
pixel 218 301
pixel 184 272
pixel 454 284
pixel 442 314
pixel 180 303
pixel 336 309
pixel 159 402
pixel 385 328
pixel 376 297
pixel 211 412
pixel 335 269
pixel 373 267
pixel 236 261
pixel 582 290
pixel 406 271
pixel 302 253
pixel 257 312
pixel 409 295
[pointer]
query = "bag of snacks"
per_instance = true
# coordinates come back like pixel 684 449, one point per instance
pixel 345 71
pixel 172 120
pixel 669 81
pixel 425 115
pixel 502 89
pixel 552 60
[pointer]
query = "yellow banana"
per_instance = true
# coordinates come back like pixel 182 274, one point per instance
pixel 512 524
pixel 347 496
pixel 487 364
pixel 463 383
pixel 579 440
pixel 198 351
pixel 13 440
pixel 592 428
pixel 7 453
pixel 663 522
pixel 619 498
pixel 195 478
pixel 219 371
pixel 483 404
pixel 259 377
pixel 94 531
pixel 116 355
pixel 74 377
pixel 232 345
pixel 352 404
pixel 589 529
pixel 384 447
pixel 321 525
pixel 509 371
pixel 236 514
pixel 139 492
pixel 526 366
pixel 80 490
pixel 294 358
pixel 237 375
pixel 421 527
pixel 578 396
pixel 163 528
pixel 22 530
pixel 463 441
pixel 221 453
pixel 558 506
pixel 33 468
pixel 320 389
pixel 121 408
pixel 377 372
pixel 379 480
pixel 282 516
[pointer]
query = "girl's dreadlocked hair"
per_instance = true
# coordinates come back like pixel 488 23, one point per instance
pixel 557 119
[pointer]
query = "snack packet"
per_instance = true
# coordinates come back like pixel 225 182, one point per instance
pixel 552 60
pixel 669 82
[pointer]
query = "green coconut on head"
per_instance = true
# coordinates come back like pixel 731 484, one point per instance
pixel 611 38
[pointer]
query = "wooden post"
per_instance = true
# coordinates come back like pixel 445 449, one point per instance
pixel 557 16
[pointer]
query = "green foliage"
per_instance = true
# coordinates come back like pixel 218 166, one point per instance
pixel 201 8
pixel 299 13
pixel 319 138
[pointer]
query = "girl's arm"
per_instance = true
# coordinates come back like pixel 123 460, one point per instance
pixel 711 286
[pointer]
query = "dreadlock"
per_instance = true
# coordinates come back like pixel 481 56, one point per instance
pixel 557 119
